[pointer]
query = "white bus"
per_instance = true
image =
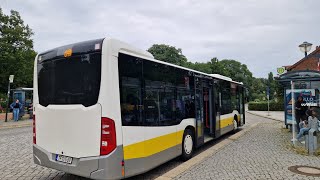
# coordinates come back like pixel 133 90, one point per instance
pixel 106 110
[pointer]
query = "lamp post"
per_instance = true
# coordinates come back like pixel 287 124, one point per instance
pixel 305 47
pixel 11 77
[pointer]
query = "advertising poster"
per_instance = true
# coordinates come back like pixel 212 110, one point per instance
pixel 309 100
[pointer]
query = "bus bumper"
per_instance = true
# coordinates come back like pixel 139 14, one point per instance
pixel 102 167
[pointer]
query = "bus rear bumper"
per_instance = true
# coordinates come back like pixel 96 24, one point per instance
pixel 102 167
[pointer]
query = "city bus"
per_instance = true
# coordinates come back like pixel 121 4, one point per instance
pixel 106 110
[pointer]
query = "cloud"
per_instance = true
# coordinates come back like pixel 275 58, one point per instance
pixel 262 34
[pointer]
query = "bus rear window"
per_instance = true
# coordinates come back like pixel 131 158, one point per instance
pixel 71 80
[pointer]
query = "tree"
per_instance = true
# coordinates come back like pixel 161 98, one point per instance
pixel 17 54
pixel 258 89
pixel 271 85
pixel 227 67
pixel 216 67
pixel 199 66
pixel 168 54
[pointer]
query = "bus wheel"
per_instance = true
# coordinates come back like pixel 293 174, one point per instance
pixel 187 144
pixel 235 126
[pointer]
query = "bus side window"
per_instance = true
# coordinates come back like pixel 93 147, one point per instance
pixel 159 82
pixel 151 108
pixel 130 70
pixel 226 105
pixel 130 108
pixel 185 103
pixel 167 107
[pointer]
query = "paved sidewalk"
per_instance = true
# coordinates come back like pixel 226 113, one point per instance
pixel 275 115
pixel 262 153
pixel 12 124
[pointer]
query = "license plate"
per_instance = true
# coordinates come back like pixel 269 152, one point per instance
pixel 64 159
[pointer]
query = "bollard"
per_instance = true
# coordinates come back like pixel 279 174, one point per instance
pixel 306 138
pixel 311 141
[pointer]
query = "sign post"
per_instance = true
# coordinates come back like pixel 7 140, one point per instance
pixel 293 126
pixel 8 96
pixel 281 70
pixel 268 97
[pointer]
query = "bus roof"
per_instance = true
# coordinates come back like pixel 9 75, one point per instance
pixel 117 46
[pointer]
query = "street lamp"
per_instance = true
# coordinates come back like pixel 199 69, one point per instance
pixel 11 77
pixel 305 47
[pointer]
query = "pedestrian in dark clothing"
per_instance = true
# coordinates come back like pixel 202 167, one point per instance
pixel 300 111
pixel 16 106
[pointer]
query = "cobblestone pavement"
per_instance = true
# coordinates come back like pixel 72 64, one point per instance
pixel 262 153
pixel 16 160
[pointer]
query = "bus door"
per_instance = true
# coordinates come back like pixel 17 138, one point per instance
pixel 216 109
pixel 207 107
pixel 241 104
pixel 198 99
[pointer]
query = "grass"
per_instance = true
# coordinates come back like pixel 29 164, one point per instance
pixel 25 117
pixel 299 148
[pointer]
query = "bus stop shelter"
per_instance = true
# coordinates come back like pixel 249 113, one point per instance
pixel 25 96
pixel 306 84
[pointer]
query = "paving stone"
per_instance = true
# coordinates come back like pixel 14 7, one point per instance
pixel 261 153
pixel 258 154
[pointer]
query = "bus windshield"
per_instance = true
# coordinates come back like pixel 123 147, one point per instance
pixel 71 80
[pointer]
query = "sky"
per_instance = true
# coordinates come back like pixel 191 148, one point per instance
pixel 263 34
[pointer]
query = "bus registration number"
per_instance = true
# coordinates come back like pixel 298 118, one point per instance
pixel 64 159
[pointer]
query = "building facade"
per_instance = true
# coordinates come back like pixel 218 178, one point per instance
pixel 303 79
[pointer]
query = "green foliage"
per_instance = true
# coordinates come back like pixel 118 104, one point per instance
pixel 238 72
pixel 199 66
pixel 230 68
pixel 3 105
pixel 279 90
pixel 256 87
pixel 17 54
pixel 227 67
pixel 168 54
pixel 263 106
pixel 216 67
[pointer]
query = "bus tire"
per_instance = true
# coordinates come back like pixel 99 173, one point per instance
pixel 187 144
pixel 235 126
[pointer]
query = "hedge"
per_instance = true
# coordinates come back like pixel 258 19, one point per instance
pixel 3 105
pixel 263 106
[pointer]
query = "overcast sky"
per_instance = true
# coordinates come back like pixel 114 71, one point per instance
pixel 263 34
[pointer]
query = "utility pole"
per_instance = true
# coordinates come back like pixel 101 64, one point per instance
pixel 8 96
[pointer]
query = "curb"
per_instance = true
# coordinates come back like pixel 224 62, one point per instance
pixel 15 125
pixel 264 116
pixel 203 155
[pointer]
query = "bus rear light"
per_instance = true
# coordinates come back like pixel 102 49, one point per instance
pixel 108 136
pixel 34 129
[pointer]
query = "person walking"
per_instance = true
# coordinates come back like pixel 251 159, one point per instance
pixel 16 106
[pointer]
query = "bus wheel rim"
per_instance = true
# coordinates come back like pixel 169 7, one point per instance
pixel 188 143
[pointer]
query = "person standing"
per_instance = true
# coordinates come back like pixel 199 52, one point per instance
pixel 312 123
pixel 16 106
pixel 300 111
